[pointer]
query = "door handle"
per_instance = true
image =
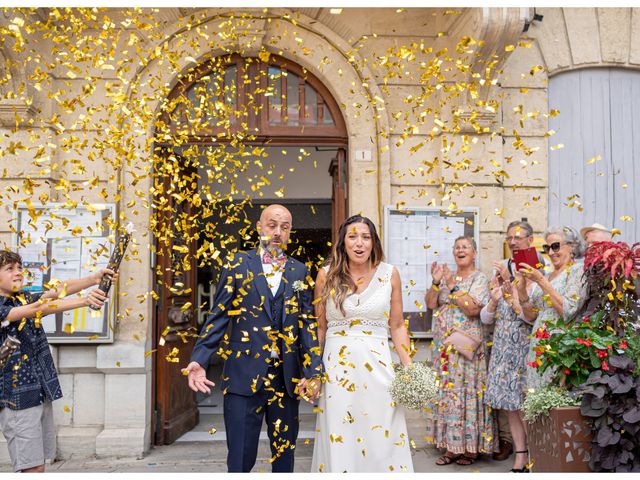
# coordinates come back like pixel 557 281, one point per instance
pixel 177 316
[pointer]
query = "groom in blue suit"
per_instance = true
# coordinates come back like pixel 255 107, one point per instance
pixel 272 355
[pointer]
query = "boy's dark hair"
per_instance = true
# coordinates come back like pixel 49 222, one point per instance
pixel 9 258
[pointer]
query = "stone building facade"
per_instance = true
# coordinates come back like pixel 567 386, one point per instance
pixel 109 405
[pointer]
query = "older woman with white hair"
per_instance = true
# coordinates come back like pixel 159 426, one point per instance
pixel 555 295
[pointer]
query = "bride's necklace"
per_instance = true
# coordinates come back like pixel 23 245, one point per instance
pixel 360 280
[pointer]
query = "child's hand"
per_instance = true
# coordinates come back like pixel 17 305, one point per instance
pixel 97 276
pixel 95 298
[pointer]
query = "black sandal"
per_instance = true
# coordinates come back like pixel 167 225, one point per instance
pixel 524 469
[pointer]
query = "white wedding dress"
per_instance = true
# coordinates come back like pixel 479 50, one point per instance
pixel 358 428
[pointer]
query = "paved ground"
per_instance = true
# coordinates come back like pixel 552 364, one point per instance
pixel 210 456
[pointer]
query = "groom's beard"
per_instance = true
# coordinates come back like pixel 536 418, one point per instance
pixel 273 251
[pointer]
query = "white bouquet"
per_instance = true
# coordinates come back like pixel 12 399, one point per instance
pixel 414 386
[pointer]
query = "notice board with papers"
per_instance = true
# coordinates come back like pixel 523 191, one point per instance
pixel 416 237
pixel 61 243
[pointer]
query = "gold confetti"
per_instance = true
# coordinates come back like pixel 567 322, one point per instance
pixel 206 161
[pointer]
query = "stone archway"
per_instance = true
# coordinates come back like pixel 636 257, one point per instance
pixel 341 77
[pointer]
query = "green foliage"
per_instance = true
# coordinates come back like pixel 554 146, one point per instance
pixel 540 401
pixel 633 352
pixel 577 348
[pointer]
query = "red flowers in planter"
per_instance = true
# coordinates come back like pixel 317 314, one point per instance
pixel 542 332
pixel 586 343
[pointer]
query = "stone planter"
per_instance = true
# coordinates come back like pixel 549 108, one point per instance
pixel 560 441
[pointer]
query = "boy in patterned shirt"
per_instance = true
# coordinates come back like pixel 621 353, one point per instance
pixel 29 382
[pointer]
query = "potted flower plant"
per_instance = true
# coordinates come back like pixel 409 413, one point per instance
pixel 595 355
pixel 612 393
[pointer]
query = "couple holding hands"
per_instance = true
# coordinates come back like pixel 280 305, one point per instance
pixel 284 345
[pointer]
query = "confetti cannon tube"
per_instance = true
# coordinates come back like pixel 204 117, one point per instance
pixel 115 260
pixel 7 348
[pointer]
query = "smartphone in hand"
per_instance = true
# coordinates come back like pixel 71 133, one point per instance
pixel 528 256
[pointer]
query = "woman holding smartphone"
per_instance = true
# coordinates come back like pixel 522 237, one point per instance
pixel 507 374
pixel 555 296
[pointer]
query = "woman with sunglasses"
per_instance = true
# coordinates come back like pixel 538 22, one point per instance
pixel 557 295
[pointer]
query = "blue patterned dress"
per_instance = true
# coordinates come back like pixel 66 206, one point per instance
pixel 507 375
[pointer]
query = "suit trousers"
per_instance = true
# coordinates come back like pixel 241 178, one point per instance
pixel 243 416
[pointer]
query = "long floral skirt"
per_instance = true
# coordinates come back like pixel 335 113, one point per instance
pixel 460 421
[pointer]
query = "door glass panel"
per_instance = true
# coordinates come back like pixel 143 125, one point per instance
pixel 230 92
pixel 274 94
pixel 195 102
pixel 327 119
pixel 293 100
pixel 310 105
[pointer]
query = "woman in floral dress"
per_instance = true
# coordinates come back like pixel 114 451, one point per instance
pixel 558 295
pixel 460 422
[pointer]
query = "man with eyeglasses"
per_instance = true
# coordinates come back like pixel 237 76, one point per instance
pixel 519 236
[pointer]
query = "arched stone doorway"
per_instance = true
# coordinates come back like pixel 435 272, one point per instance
pixel 274 120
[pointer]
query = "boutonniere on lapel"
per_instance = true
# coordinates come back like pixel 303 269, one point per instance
pixel 295 302
pixel 298 286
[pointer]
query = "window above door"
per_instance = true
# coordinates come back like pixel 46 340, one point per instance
pixel 233 95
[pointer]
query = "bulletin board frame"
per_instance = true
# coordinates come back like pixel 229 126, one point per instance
pixel 413 238
pixel 60 242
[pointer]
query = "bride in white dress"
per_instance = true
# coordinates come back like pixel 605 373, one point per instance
pixel 359 429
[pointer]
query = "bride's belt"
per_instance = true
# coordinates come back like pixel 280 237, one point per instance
pixel 357 327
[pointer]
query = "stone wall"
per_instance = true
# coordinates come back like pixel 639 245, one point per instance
pixel 107 408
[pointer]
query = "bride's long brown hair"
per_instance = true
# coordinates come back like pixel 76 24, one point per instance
pixel 339 284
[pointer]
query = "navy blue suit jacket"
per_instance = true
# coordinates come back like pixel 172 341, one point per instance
pixel 243 298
